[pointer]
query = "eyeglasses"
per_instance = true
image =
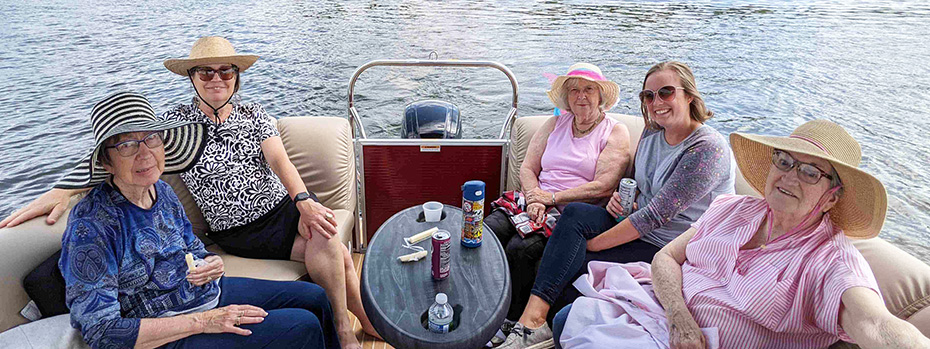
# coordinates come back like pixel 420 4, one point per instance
pixel 207 73
pixel 665 93
pixel 131 147
pixel 807 172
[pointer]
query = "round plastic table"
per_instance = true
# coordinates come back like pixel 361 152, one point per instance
pixel 396 295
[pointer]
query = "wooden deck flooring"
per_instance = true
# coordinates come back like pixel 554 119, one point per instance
pixel 368 342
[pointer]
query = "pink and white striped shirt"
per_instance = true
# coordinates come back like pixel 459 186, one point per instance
pixel 786 295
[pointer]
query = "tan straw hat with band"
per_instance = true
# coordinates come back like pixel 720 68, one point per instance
pixel 609 89
pixel 210 50
pixel 861 209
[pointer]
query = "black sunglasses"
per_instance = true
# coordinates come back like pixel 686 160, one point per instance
pixel 207 73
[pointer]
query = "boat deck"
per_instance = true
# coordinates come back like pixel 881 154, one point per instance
pixel 368 342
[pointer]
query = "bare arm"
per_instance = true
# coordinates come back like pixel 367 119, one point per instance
pixel 618 235
pixel 532 162
pixel 156 332
pixel 53 203
pixel 866 320
pixel 611 164
pixel 313 215
pixel 666 278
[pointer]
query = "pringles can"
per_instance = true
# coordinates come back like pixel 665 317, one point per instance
pixel 627 192
pixel 442 254
pixel 473 216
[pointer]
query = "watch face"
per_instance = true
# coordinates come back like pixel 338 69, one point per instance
pixel 301 197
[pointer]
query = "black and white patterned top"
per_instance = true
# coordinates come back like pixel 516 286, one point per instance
pixel 232 183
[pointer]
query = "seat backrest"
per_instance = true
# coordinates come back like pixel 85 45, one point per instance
pixel 320 148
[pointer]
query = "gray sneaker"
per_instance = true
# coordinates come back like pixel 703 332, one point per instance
pixel 501 335
pixel 524 338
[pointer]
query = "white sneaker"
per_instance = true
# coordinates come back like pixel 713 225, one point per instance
pixel 524 338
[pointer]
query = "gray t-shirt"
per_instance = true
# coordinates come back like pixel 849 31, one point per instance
pixel 677 183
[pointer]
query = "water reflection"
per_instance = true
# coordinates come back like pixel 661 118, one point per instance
pixel 763 68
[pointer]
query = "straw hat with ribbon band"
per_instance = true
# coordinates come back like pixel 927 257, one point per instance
pixel 210 50
pixel 861 209
pixel 130 112
pixel 609 89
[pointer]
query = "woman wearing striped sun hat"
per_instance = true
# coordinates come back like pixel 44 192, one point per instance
pixel 680 166
pixel 778 271
pixel 250 194
pixel 135 274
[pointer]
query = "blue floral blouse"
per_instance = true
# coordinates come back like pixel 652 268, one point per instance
pixel 122 263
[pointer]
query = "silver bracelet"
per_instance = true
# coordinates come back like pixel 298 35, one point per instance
pixel 553 198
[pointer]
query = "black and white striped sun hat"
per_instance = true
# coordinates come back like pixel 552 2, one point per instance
pixel 126 112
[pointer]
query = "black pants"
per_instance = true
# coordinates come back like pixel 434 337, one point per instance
pixel 523 256
pixel 566 256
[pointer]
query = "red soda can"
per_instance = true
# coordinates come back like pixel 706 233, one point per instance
pixel 442 254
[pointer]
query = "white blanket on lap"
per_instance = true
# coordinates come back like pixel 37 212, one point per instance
pixel 619 310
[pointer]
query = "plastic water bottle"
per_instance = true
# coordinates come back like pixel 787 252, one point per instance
pixel 440 314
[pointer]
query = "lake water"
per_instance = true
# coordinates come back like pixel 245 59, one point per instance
pixel 763 67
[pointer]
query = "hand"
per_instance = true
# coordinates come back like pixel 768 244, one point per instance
pixel 317 218
pixel 537 212
pixel 53 203
pixel 203 274
pixel 227 319
pixel 686 334
pixel 614 208
pixel 538 195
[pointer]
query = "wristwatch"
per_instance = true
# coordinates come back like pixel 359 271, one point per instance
pixel 301 197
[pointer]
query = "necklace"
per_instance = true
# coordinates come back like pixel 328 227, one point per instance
pixel 589 128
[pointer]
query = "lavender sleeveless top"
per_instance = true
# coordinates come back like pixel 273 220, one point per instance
pixel 568 161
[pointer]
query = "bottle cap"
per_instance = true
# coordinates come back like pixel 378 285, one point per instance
pixel 441 298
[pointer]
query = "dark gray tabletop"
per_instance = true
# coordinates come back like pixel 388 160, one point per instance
pixel 396 295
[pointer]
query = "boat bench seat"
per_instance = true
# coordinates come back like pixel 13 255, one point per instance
pixel 320 147
pixel 904 280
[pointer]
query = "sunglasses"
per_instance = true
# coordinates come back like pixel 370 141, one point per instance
pixel 207 73
pixel 131 147
pixel 807 172
pixel 665 93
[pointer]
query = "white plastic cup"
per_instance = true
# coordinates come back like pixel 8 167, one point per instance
pixel 432 211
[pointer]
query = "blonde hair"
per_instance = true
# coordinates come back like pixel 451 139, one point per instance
pixel 572 82
pixel 698 110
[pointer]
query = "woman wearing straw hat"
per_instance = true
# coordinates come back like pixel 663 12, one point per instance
pixel 124 252
pixel 249 192
pixel 577 156
pixel 781 270
pixel 680 166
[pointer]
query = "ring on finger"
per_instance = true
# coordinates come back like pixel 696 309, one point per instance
pixel 238 319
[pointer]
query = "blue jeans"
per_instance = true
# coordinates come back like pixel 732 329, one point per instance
pixel 566 255
pixel 558 324
pixel 299 316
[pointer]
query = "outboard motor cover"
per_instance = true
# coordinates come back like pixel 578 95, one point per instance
pixel 431 119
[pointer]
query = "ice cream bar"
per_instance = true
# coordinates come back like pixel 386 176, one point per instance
pixel 190 261
pixel 413 257
pixel 421 236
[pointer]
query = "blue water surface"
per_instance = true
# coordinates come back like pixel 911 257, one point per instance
pixel 764 67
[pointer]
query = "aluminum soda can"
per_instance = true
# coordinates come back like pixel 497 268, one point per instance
pixel 442 254
pixel 627 192
pixel 473 213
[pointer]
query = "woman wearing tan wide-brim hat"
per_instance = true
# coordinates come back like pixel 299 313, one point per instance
pixel 781 270
pixel 270 214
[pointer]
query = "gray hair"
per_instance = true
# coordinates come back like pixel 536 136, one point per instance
pixel 571 83
pixel 836 182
